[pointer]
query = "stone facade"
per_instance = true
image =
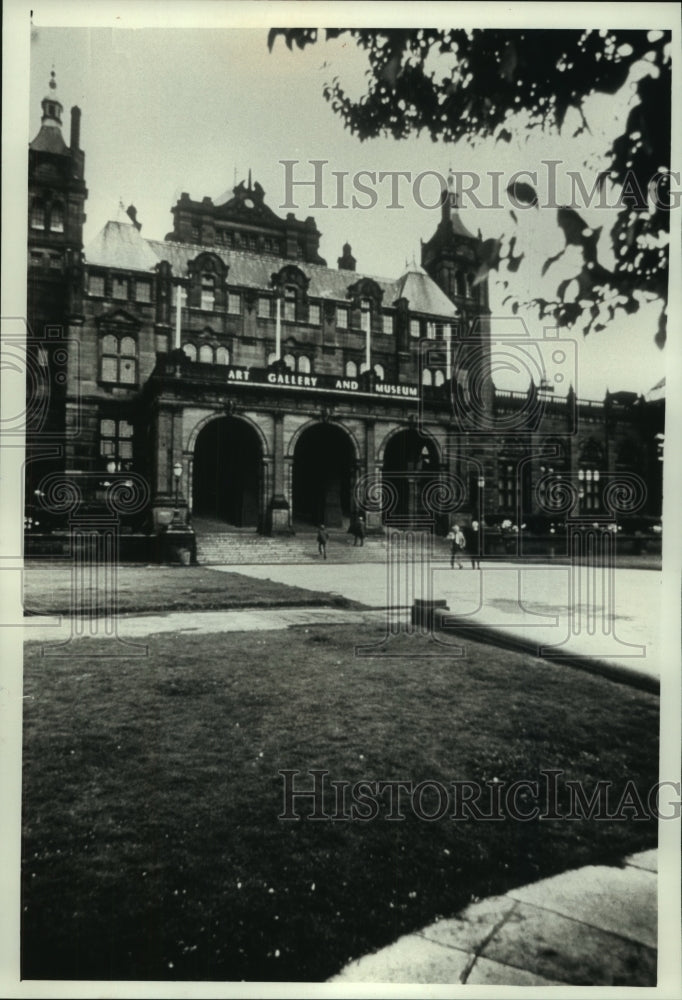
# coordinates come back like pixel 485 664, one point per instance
pixel 253 387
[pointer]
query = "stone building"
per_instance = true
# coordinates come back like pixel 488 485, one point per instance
pixel 251 386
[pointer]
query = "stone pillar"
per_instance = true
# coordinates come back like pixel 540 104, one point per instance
pixel 279 510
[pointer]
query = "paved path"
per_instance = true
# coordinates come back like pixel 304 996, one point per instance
pixel 610 617
pixel 592 926
pixel 44 629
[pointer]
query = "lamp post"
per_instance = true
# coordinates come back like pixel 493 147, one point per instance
pixel 177 476
pixel 480 482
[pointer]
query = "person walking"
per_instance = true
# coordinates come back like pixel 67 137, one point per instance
pixel 358 529
pixel 474 545
pixel 457 546
pixel 322 539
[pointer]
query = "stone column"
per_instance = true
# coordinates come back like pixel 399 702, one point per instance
pixel 279 511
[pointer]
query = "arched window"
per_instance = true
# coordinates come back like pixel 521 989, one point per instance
pixel 272 357
pixel 207 292
pixel 460 283
pixel 37 214
pixel 438 377
pixel 191 351
pixel 363 367
pixel 351 369
pixel 206 354
pixel 427 378
pixel 304 364
pixel 118 360
pixel 57 218
pixel 222 356
pixel 290 362
pixel 379 371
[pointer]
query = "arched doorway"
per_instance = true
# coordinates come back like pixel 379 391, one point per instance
pixel 322 474
pixel 410 465
pixel 227 470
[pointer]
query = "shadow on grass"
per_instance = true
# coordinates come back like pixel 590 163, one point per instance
pixel 152 844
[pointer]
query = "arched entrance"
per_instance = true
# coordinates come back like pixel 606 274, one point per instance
pixel 410 465
pixel 227 470
pixel 322 476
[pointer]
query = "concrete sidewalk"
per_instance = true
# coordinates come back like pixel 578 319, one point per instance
pixel 609 622
pixel 593 926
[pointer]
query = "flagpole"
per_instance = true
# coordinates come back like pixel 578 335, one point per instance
pixel 178 316
pixel 368 358
pixel 278 327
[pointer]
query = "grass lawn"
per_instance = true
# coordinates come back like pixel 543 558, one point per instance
pixel 152 844
pixel 48 590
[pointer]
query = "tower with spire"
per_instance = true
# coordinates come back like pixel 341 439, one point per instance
pixel 56 202
pixel 452 258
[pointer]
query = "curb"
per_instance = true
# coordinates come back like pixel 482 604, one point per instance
pixel 446 621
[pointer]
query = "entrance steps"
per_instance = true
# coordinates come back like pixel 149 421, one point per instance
pixel 237 547
pixel 221 546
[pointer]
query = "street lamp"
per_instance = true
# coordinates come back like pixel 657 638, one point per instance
pixel 177 476
pixel 481 487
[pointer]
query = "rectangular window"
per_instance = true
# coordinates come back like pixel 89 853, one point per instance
pixel 96 284
pixel 234 303
pixel 118 360
pixel 506 486
pixel 143 291
pixel 207 292
pixel 342 317
pixel 116 443
pixel 290 305
pixel 263 308
pixel 314 314
pixel 415 328
pixel 387 324
pixel 119 288
pixel 37 215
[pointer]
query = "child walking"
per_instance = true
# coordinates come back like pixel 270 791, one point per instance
pixel 322 539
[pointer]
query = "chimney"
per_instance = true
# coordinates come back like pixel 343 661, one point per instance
pixel 75 127
pixel 131 212
pixel 347 261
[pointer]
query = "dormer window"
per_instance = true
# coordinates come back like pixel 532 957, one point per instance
pixel 207 292
pixel 289 304
pixel 365 313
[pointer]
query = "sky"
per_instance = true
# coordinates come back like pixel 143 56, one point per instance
pixel 171 109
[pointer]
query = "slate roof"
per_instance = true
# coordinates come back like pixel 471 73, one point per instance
pixel 49 140
pixel 120 245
